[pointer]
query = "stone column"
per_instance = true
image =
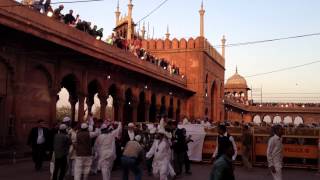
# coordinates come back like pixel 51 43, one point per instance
pixel 81 108
pixel 103 105
pixel 146 111
pixel 134 106
pixel 53 104
pixel 73 100
pixel 118 110
pixel 90 102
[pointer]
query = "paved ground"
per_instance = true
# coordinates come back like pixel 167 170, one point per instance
pixel 24 171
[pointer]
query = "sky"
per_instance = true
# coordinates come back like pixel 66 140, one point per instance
pixel 239 21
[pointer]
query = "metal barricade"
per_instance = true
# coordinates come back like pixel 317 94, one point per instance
pixel 300 149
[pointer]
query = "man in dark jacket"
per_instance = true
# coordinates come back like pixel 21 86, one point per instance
pixel 40 141
pixel 61 146
pixel 180 148
pixel 222 167
pixel 69 18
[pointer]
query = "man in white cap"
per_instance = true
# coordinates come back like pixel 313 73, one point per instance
pixel 160 151
pixel 105 149
pixel 83 152
pixel 132 156
pixel 128 135
pixel 61 145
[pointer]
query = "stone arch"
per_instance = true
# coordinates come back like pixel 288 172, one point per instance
pixel 153 108
pixel 94 88
pixel 72 85
pixel 183 43
pixel 199 42
pixel 298 120
pixel 191 44
pixel 113 112
pixel 160 44
pixel 37 100
pixel 214 101
pixel 257 119
pixel 287 120
pixel 167 44
pixel 277 119
pixel 267 119
pixel 152 44
pixel 175 44
pixel 141 107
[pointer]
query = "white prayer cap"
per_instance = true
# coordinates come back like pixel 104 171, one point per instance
pixel 62 127
pixel 137 138
pixel 66 119
pixel 161 131
pixel 131 125
pixel 153 130
pixel 84 126
pixel 168 135
pixel 103 126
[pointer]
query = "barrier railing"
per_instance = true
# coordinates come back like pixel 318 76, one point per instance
pixel 301 146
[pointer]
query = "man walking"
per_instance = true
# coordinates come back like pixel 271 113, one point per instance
pixel 83 152
pixel 246 147
pixel 223 134
pixel 39 139
pixel 274 153
pixel 222 167
pixel 61 144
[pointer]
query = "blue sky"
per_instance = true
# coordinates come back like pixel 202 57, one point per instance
pixel 240 21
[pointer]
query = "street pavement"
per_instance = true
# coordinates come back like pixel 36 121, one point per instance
pixel 25 171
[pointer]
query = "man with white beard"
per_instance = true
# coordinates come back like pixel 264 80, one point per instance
pixel 161 152
pixel 106 149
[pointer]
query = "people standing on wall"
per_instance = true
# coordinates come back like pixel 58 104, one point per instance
pixel 61 144
pixel 69 19
pixel 275 152
pixel 223 134
pixel 222 167
pixel 246 141
pixel 40 140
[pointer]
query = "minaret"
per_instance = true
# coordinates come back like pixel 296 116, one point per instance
pixel 143 31
pixel 202 11
pixel 129 31
pixel 117 14
pixel 167 34
pixel 223 46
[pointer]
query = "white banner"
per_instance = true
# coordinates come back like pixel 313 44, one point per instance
pixel 198 134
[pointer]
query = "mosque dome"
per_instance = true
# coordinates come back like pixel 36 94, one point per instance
pixel 236 82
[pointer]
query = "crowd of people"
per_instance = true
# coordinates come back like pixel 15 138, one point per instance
pixel 135 47
pixel 99 146
pixel 44 7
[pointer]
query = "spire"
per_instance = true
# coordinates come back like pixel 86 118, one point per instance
pixel 130 28
pixel 167 34
pixel 143 31
pixel 223 46
pixel 236 69
pixel 201 12
pixel 117 14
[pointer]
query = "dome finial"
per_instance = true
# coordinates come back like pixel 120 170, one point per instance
pixel 237 69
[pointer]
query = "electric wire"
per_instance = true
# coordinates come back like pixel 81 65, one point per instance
pixel 152 11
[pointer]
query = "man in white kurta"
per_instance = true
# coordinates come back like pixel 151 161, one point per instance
pixel 161 161
pixel 274 153
pixel 106 149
